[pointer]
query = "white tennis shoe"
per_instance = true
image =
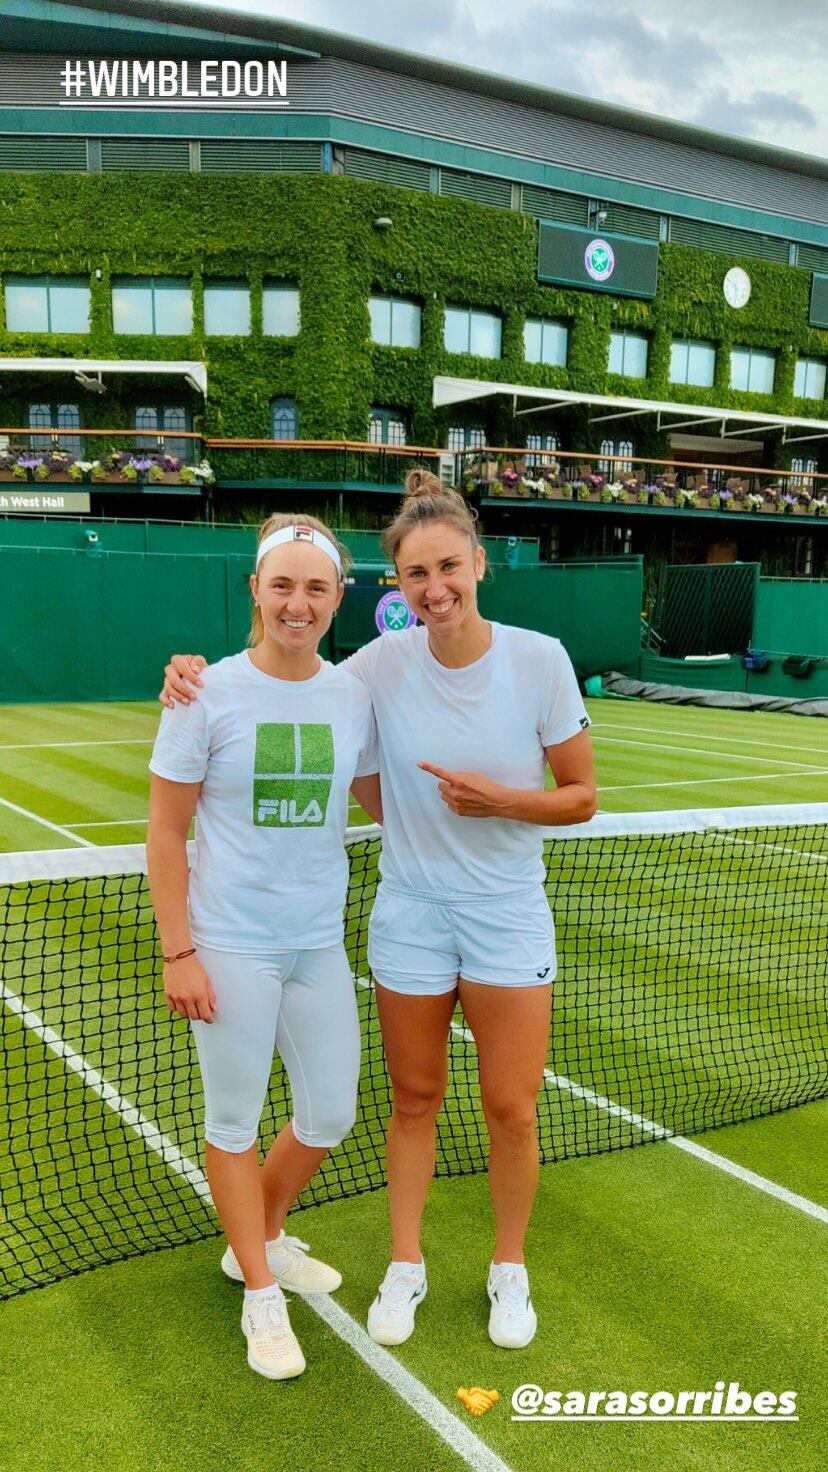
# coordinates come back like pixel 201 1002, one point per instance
pixel 391 1315
pixel 512 1319
pixel 291 1267
pixel 272 1347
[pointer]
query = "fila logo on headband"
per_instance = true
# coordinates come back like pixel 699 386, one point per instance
pixel 300 533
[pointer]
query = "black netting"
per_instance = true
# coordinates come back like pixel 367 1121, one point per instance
pixel 690 993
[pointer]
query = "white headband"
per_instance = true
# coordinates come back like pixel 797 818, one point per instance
pixel 300 534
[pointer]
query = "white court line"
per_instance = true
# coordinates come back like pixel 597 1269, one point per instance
pixel 731 756
pixel 474 1452
pixel 705 781
pixel 55 827
pixel 115 823
pixel 53 745
pixel 462 1440
pixel 778 848
pixel 656 733
pixel 619 1111
pixel 721 1162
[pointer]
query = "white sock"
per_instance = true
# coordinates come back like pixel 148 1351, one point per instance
pixel 508 1267
pixel 410 1267
pixel 274 1241
pixel 259 1292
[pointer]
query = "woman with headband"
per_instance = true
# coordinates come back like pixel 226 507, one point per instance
pixel 469 714
pixel 252 938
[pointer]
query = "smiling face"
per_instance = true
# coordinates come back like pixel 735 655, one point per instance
pixel 298 591
pixel 438 571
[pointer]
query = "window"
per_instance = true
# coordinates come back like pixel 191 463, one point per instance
pixel 536 442
pixel 752 370
pixel 467 331
pixel 46 304
pixel 157 425
pixel 284 420
pixel 227 309
pixel 394 321
pixel 280 310
pixel 152 306
pixel 804 470
pixel 809 378
pixel 628 354
pixel 616 467
pixel 466 437
pixel 692 362
pixel 545 342
pixel 62 416
pixel 387 427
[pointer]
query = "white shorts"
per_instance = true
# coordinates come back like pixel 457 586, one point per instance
pixel 421 946
pixel 300 1004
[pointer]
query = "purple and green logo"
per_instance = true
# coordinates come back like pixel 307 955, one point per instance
pixel 393 613
pixel 599 259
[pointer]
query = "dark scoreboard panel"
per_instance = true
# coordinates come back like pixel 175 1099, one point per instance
pixel 597 261
pixel 819 301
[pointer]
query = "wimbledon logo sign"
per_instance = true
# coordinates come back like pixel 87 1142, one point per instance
pixel 599 259
pixel 393 613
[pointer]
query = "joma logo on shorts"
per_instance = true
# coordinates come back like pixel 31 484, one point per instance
pixel 292 774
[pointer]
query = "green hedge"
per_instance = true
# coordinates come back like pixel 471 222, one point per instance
pixel 319 232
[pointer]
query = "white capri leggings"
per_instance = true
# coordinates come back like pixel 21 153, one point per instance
pixel 300 1004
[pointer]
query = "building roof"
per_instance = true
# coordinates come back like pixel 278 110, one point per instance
pixel 129 25
pixel 448 391
pixel 195 373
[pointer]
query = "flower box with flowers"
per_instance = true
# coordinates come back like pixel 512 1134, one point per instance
pixel 724 500
pixel 548 489
pixel 610 493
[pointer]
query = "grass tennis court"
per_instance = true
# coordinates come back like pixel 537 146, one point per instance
pixel 651 1268
pixel 78 773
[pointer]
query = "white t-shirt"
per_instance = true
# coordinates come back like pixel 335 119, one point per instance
pixel 495 717
pixel 275 759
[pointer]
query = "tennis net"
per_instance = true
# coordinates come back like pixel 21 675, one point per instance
pixel 690 993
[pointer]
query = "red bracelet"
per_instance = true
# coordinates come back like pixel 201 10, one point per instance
pixel 180 957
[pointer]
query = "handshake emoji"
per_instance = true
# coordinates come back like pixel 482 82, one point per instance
pixel 477 1401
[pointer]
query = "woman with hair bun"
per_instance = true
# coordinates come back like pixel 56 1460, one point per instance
pixel 469 714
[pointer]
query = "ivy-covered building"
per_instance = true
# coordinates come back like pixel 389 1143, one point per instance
pixel 383 249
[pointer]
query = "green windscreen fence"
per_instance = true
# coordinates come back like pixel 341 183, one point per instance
pixel 706 610
pixel 792 616
pixel 594 608
pixel 100 626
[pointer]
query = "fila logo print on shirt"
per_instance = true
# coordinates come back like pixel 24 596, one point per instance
pixel 292 774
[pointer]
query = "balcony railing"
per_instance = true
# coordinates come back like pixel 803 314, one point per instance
pixel 106 456
pixel 572 476
pixel 125 456
pixel 317 463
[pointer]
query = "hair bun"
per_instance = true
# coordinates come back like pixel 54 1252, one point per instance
pixel 420 482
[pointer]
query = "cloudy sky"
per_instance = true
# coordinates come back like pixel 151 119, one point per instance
pixel 756 68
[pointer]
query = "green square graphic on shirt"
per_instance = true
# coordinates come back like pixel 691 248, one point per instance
pixel 293 771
